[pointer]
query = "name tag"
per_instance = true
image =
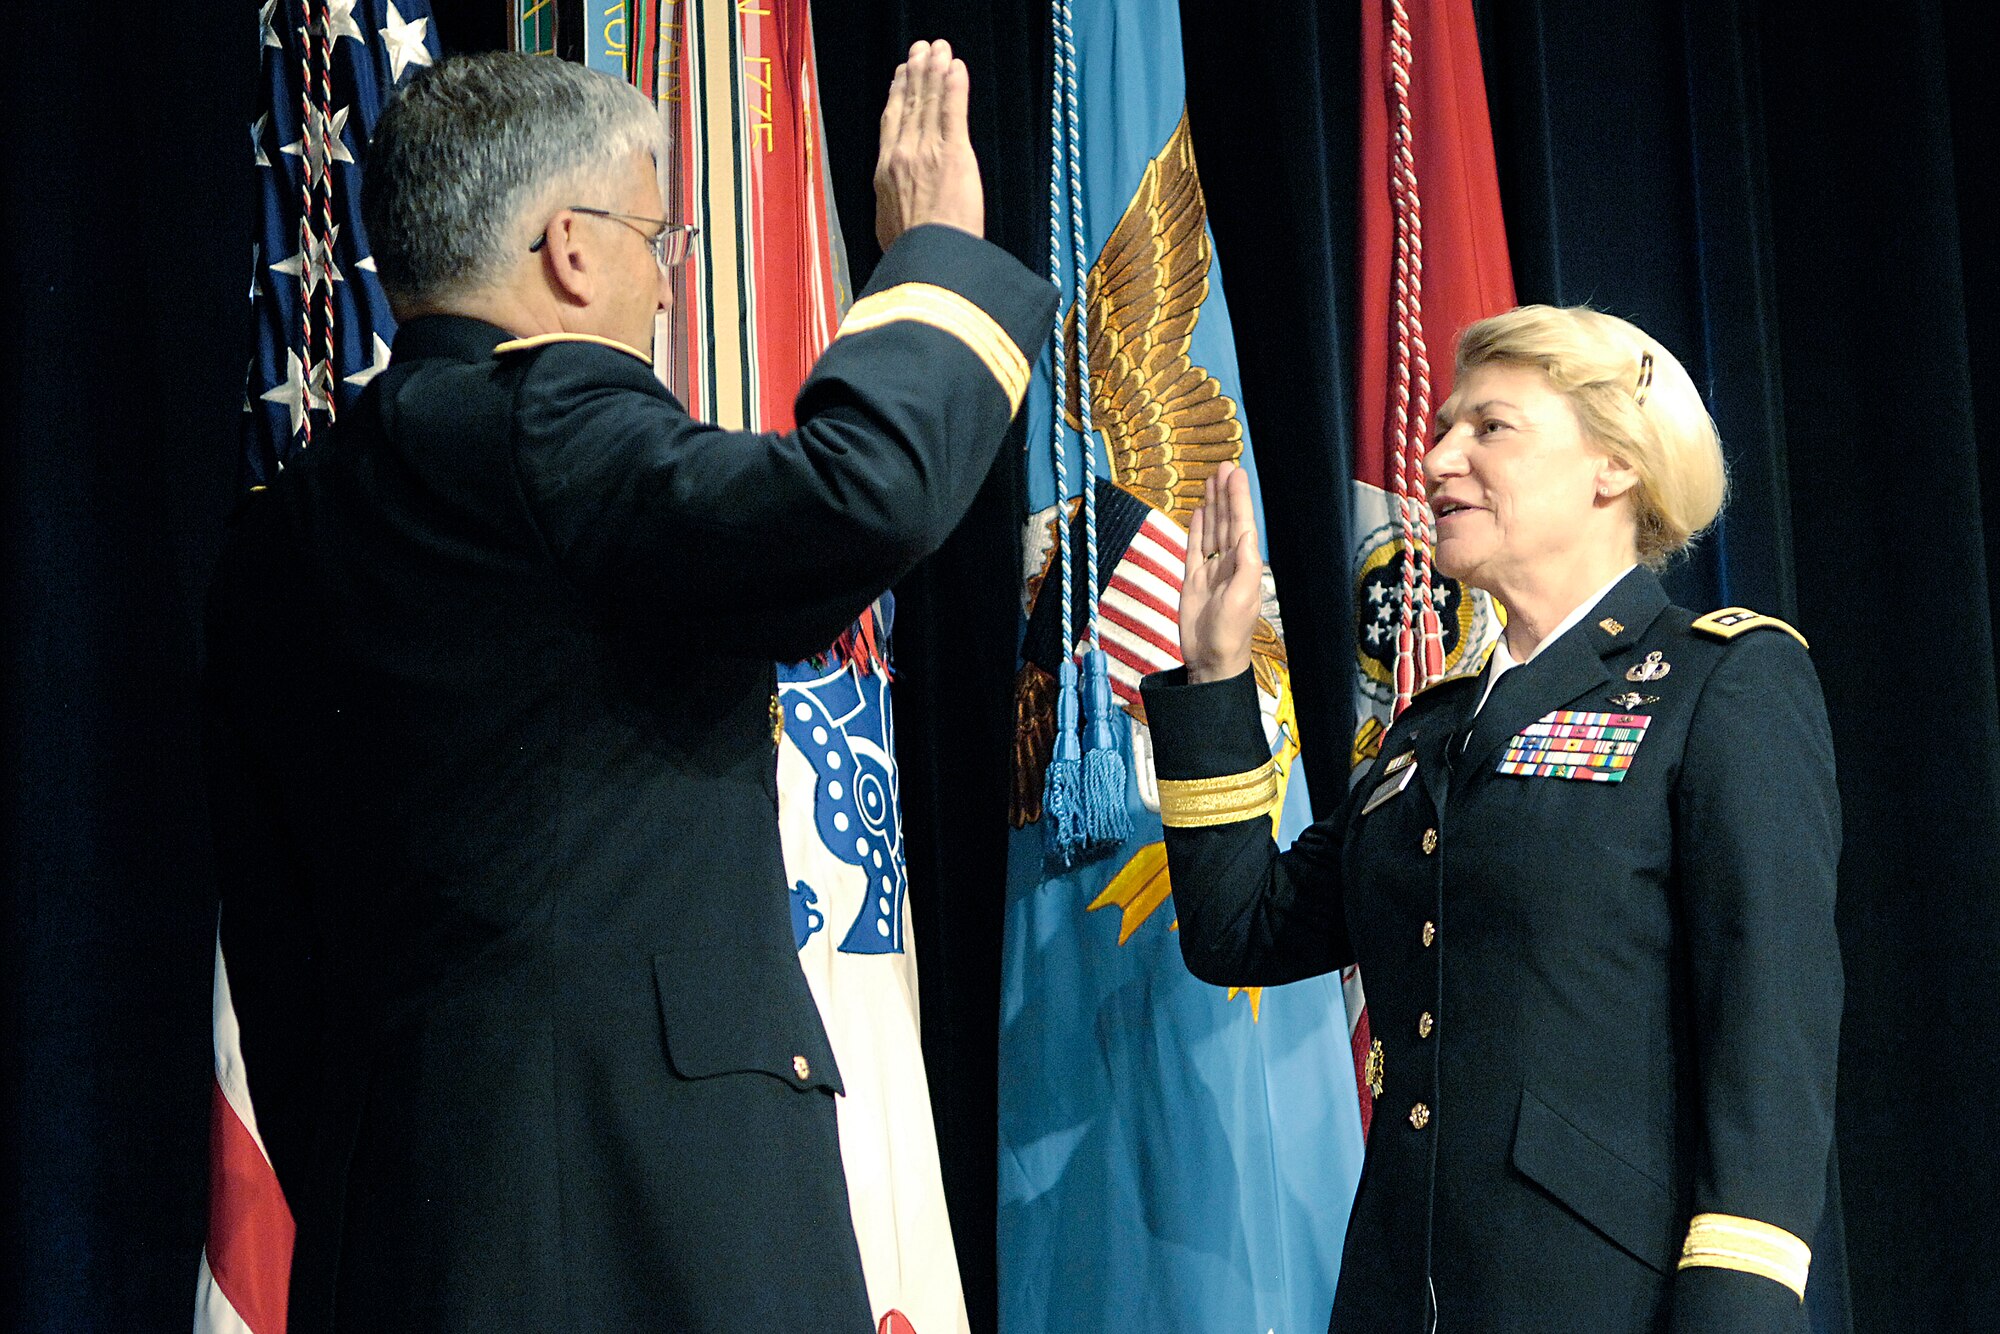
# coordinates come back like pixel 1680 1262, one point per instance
pixel 1390 787
pixel 1592 747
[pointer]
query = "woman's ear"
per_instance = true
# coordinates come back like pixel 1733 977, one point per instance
pixel 1615 478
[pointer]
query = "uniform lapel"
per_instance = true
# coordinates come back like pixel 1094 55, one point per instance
pixel 1434 736
pixel 1575 664
pixel 1559 673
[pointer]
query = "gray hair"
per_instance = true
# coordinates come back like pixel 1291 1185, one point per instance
pixel 477 151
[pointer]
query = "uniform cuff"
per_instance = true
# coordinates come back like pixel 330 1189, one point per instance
pixel 1211 730
pixel 1706 1301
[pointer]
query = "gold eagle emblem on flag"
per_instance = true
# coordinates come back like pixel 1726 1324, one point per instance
pixel 1167 424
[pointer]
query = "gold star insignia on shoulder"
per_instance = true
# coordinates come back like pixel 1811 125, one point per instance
pixel 1730 622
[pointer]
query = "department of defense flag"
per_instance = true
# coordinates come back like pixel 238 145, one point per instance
pixel 1173 1156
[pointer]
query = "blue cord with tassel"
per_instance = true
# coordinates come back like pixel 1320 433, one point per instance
pixel 1084 804
pixel 1062 786
pixel 1107 819
pixel 1062 791
pixel 1107 816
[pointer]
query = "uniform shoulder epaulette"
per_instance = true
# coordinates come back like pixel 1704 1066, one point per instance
pixel 1729 622
pixel 545 340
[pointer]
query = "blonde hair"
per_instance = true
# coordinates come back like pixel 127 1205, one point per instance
pixel 1632 398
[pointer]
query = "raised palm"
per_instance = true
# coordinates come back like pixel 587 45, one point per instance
pixel 1222 590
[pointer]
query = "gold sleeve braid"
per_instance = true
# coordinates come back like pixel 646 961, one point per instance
pixel 1724 1241
pixel 1198 803
pixel 943 309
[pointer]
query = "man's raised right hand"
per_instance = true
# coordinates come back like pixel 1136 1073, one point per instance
pixel 926 171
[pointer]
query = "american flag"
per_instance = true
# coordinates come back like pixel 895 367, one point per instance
pixel 323 324
pixel 323 331
pixel 1138 593
pixel 1141 605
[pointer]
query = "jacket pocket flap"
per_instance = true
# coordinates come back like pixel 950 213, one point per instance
pixel 1604 1190
pixel 748 1013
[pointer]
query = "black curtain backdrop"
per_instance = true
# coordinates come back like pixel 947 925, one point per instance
pixel 125 219
pixel 1797 203
pixel 1776 196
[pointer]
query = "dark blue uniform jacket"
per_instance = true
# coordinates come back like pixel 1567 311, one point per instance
pixel 1607 1012
pixel 491 727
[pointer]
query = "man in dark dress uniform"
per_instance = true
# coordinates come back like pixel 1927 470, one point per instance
pixel 492 731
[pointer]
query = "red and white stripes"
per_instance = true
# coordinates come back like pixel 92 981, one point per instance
pixel 246 1267
pixel 1140 608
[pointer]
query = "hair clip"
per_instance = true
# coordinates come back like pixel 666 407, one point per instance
pixel 1645 379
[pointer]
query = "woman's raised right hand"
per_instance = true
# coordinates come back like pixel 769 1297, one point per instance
pixel 1222 590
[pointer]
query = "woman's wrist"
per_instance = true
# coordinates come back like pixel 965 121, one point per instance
pixel 1203 673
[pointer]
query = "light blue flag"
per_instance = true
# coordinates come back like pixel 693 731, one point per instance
pixel 1173 1156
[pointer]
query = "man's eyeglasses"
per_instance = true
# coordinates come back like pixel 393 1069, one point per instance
pixel 670 242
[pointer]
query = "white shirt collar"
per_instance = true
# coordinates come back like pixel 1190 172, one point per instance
pixel 1503 661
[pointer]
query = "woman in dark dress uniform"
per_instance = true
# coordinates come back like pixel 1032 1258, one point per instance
pixel 1590 886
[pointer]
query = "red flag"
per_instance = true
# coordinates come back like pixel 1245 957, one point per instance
pixel 1433 259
